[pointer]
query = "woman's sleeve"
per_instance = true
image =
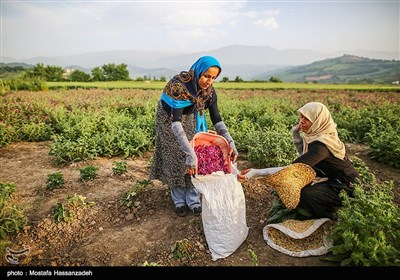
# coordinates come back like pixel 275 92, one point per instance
pixel 214 111
pixel 177 114
pixel 317 151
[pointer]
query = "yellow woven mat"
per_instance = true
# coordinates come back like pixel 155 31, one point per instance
pixel 289 181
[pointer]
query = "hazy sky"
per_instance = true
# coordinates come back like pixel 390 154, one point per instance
pixel 56 28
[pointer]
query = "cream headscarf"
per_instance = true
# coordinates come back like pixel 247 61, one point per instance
pixel 323 129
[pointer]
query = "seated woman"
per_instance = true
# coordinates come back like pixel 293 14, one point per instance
pixel 320 147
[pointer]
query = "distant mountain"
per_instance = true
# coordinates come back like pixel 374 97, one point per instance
pixel 246 62
pixel 342 70
pixel 6 59
pixel 138 58
pixel 249 55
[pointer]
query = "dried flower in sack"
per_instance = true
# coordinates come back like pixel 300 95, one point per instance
pixel 210 159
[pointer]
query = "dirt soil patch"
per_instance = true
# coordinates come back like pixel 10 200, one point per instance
pixel 108 234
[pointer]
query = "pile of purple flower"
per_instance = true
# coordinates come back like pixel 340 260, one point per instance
pixel 210 159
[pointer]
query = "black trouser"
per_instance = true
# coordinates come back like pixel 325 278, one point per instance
pixel 322 199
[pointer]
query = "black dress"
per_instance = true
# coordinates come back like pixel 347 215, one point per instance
pixel 321 199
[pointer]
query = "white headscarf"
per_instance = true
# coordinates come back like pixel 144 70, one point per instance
pixel 323 129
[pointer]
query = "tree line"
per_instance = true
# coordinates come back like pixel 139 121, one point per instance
pixel 107 72
pixel 51 73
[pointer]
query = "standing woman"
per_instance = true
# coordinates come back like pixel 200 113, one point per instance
pixel 320 147
pixel 180 114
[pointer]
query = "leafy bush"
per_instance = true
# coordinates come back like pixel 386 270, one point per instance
pixel 183 250
pixel 31 84
pixel 12 218
pixel 368 229
pixel 384 142
pixel 87 134
pixel 129 198
pixel 55 180
pixel 120 167
pixel 4 139
pixel 366 176
pixel 88 172
pixel 67 211
pixel 36 132
pixel 271 147
pixel 351 124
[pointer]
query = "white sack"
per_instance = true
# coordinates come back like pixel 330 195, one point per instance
pixel 224 212
pixel 300 238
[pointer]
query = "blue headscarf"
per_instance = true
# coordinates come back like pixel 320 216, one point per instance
pixel 202 64
pixel 182 90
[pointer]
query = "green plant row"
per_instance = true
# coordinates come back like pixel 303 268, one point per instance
pixel 85 124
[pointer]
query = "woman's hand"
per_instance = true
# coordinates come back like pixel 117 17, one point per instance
pixel 191 171
pixel 234 157
pixel 243 175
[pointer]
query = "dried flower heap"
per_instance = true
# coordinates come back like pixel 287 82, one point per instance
pixel 210 159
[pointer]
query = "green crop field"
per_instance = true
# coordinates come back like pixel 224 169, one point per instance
pixel 82 124
pixel 110 121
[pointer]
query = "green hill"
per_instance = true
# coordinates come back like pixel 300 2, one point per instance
pixel 347 69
